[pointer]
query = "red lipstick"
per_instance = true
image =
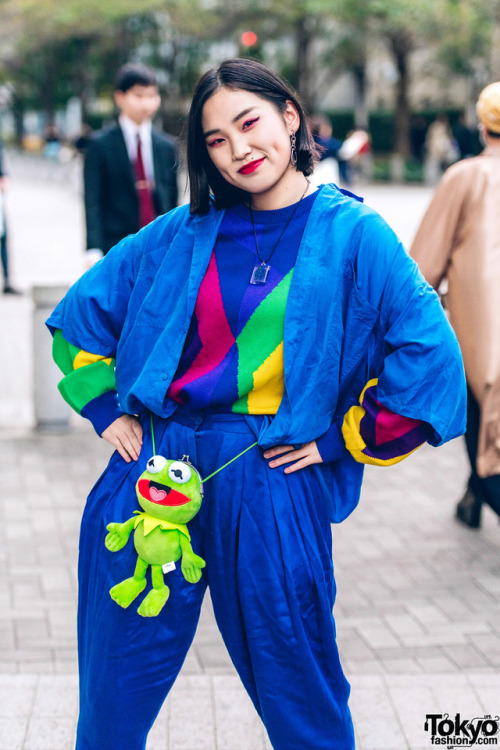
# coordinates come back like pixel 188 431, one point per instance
pixel 251 166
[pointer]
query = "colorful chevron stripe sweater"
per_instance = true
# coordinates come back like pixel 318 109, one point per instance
pixel 233 354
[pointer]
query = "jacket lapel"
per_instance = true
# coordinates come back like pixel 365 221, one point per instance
pixel 119 150
pixel 205 233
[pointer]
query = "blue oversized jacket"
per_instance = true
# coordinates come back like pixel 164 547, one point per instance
pixel 358 308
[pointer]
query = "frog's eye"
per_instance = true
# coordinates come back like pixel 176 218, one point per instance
pixel 179 472
pixel 156 464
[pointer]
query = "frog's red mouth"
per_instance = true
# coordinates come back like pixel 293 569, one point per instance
pixel 160 494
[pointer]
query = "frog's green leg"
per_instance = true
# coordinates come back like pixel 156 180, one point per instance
pixel 154 602
pixel 125 592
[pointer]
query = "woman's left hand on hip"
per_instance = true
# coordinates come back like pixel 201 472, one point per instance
pixel 299 458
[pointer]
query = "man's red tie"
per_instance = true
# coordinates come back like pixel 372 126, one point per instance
pixel 143 186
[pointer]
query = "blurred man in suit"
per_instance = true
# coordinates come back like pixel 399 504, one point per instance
pixel 130 173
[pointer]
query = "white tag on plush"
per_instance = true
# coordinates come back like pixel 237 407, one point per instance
pixel 168 567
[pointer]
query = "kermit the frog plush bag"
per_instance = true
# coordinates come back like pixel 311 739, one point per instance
pixel 170 494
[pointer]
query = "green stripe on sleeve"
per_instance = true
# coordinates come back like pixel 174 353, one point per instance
pixel 83 385
pixel 61 352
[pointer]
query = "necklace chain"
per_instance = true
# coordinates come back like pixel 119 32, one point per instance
pixel 263 262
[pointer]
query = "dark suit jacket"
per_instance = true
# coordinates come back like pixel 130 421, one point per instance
pixel 111 203
pixel 2 174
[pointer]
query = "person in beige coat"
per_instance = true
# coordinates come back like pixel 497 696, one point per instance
pixel 459 241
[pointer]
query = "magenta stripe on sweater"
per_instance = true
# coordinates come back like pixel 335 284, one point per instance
pixel 390 426
pixel 213 330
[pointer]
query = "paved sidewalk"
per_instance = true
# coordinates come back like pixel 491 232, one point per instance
pixel 418 595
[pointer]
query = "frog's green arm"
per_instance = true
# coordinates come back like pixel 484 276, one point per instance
pixel 118 534
pixel 191 564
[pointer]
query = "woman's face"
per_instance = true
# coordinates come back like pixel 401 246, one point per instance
pixel 248 140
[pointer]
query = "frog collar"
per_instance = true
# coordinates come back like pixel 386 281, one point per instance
pixel 151 523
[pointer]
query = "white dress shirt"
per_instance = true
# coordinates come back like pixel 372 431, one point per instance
pixel 130 132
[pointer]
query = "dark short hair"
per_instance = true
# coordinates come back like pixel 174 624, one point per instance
pixel 134 74
pixel 245 75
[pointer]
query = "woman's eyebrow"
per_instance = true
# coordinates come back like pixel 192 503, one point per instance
pixel 235 119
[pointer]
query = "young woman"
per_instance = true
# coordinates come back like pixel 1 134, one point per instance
pixel 264 311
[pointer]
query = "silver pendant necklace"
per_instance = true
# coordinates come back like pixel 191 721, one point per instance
pixel 261 270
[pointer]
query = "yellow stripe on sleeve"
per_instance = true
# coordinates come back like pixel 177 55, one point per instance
pixel 86 358
pixel 356 445
pixel 351 431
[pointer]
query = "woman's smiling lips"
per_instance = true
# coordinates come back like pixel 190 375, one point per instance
pixel 251 166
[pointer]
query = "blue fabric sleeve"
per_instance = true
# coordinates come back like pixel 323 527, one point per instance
pixel 103 411
pixel 92 313
pixel 422 374
pixel 331 444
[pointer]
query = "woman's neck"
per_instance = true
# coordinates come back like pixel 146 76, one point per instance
pixel 285 193
pixel 493 146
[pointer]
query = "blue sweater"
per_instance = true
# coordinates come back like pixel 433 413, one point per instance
pixel 232 358
pixel 358 309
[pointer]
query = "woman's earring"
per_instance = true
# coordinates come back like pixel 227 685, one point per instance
pixel 293 151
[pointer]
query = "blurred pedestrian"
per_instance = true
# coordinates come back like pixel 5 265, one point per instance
pixel 52 142
pixel 83 139
pixel 459 241
pixel 440 148
pixel 464 138
pixel 130 174
pixel 365 370
pixel 418 133
pixel 7 286
pixel 329 167
pixel 335 155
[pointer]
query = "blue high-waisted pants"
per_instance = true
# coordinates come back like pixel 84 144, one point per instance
pixel 266 540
